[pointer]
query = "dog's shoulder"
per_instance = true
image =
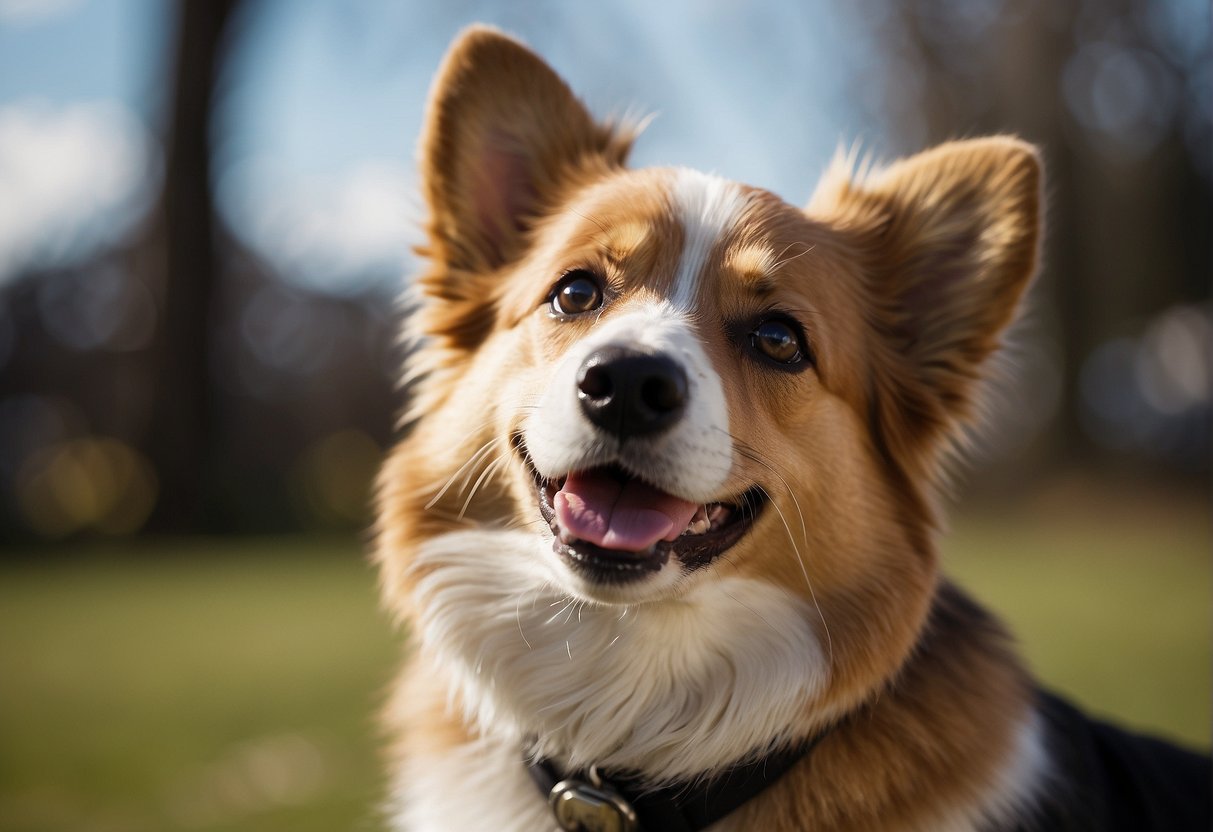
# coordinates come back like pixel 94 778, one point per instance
pixel 1112 780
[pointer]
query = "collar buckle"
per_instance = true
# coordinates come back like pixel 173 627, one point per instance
pixel 591 807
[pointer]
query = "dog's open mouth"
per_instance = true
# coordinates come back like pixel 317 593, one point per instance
pixel 613 527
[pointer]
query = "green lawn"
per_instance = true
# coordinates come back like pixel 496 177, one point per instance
pixel 225 686
pixel 1115 613
pixel 231 685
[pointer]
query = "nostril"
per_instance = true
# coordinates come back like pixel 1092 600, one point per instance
pixel 663 393
pixel 629 393
pixel 595 382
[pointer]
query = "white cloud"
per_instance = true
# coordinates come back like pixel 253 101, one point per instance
pixel 71 179
pixel 330 233
pixel 34 11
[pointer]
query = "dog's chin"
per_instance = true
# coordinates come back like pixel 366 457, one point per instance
pixel 626 577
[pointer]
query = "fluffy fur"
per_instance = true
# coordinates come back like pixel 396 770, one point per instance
pixel 829 612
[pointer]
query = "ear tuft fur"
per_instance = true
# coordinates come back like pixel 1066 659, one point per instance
pixel 951 241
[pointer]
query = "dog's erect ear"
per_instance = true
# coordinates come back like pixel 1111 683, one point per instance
pixel 951 238
pixel 503 133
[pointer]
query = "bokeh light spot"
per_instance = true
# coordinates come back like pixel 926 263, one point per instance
pixel 334 477
pixel 87 484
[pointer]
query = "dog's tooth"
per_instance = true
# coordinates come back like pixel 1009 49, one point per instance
pixel 718 515
pixel 698 524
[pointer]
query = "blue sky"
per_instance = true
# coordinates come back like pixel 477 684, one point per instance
pixel 77 50
pixel 322 101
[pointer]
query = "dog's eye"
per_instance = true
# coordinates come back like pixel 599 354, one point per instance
pixel 578 292
pixel 778 340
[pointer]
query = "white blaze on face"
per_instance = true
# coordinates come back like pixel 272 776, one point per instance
pixel 693 458
pixel 707 207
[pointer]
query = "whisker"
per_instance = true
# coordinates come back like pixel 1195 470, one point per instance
pixel 570 609
pixel 463 483
pixel 780 263
pixel 804 571
pixel 466 468
pixel 480 452
pixel 558 612
pixel 518 619
pixel 754 456
pixel 490 470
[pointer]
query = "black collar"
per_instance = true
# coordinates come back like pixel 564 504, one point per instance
pixel 623 802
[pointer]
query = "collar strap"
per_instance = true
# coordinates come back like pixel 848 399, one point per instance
pixel 585 800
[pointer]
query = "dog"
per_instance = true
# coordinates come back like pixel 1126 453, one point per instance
pixel 663 523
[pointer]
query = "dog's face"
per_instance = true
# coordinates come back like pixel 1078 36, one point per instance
pixel 683 349
pixel 667 380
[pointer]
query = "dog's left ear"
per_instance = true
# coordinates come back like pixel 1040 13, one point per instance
pixel 503 133
pixel 951 240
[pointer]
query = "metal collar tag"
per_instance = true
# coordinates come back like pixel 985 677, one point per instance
pixel 591 807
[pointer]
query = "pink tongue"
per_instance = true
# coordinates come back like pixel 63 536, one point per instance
pixel 628 516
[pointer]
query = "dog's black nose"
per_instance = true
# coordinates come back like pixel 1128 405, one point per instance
pixel 630 393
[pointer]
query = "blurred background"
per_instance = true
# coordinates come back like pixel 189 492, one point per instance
pixel 207 211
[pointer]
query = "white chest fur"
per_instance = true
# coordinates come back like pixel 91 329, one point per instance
pixel 671 689
pixel 481 785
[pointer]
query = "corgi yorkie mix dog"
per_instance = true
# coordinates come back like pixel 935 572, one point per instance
pixel 662 528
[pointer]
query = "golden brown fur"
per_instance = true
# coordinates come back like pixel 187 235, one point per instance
pixel 906 278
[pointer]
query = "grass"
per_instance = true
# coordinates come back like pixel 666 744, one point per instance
pixel 224 687
pixel 1113 612
pixel 231 685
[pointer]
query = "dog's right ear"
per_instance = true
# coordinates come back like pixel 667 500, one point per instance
pixel 503 135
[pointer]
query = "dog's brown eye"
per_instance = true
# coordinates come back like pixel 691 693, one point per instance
pixel 578 292
pixel 778 341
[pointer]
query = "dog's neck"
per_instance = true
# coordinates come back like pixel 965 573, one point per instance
pixel 674 691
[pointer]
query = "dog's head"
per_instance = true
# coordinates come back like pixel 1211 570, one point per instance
pixel 665 377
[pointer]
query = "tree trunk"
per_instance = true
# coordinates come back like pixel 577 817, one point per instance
pixel 182 240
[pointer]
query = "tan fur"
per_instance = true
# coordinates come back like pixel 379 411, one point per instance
pixel 904 279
